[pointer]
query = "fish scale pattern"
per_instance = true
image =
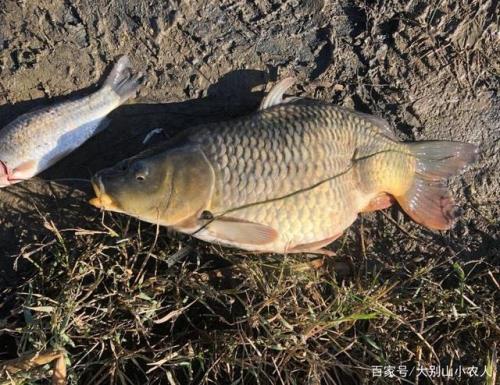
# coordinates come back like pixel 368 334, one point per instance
pixel 270 160
pixel 58 128
pixel 283 149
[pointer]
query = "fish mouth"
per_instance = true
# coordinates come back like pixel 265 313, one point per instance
pixel 102 200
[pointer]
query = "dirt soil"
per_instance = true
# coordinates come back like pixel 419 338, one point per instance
pixel 430 68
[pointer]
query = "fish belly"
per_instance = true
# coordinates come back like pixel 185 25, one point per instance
pixel 67 143
pixel 303 218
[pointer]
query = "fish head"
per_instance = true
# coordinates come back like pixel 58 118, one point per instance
pixel 165 188
pixel 136 186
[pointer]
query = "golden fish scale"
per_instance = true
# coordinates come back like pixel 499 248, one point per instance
pixel 277 153
pixel 388 171
pixel 308 217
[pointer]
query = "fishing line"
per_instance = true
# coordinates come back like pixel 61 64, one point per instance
pixel 312 187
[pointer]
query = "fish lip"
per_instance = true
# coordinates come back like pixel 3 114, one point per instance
pixel 96 201
pixel 96 186
pixel 101 199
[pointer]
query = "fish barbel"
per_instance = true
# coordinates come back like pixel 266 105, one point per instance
pixel 288 178
pixel 38 139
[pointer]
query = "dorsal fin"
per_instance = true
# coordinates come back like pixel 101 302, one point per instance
pixel 275 95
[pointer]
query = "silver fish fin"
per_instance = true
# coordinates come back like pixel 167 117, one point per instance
pixel 123 80
pixel 235 230
pixel 93 127
pixel 275 96
pixel 61 156
pixel 25 170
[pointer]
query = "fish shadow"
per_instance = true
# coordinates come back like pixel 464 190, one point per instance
pixel 59 194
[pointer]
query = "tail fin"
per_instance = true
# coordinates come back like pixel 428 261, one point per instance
pixel 428 200
pixel 122 79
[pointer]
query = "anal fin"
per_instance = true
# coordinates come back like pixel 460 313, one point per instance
pixel 380 202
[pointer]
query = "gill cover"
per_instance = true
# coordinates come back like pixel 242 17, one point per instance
pixel 192 185
pixel 164 187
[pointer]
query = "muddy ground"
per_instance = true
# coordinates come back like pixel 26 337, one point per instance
pixel 431 70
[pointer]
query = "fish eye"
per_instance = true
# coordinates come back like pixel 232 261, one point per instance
pixel 140 171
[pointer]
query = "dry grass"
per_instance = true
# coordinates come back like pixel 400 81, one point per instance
pixel 133 305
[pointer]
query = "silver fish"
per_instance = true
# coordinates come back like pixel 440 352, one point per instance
pixel 38 139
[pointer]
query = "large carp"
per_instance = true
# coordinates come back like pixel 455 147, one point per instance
pixel 288 178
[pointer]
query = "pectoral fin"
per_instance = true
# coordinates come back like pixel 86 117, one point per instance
pixel 243 232
pixel 24 171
